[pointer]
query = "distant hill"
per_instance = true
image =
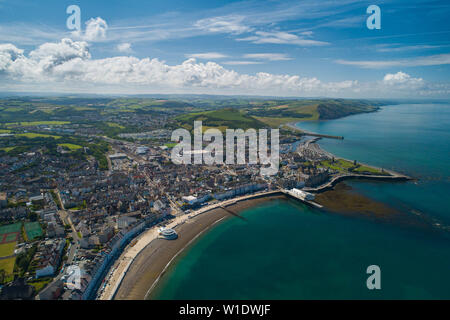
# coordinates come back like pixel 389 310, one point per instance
pixel 222 119
pixel 305 110
pixel 339 109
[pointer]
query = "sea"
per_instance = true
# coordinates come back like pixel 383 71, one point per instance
pixel 287 250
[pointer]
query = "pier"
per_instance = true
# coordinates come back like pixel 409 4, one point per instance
pixel 295 195
pixel 313 134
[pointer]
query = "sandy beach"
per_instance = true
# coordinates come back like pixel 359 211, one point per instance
pixel 140 266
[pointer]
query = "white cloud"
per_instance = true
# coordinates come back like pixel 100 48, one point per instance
pixel 68 66
pixel 434 60
pixel 95 30
pixel 224 24
pixel 397 48
pixel 403 80
pixel 268 56
pixel 207 55
pixel 124 47
pixel 240 62
pixel 279 37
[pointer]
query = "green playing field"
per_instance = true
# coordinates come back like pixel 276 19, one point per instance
pixel 14 227
pixel 9 237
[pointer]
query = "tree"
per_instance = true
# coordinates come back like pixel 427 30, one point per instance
pixel 2 276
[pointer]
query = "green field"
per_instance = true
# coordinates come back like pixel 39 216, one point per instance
pixel 40 284
pixel 32 135
pixel 33 230
pixel 221 119
pixel 10 237
pixel 14 227
pixel 36 123
pixel 115 125
pixel 70 146
pixel 8 266
pixel 170 144
pixel 4 131
pixel 7 249
pixel 370 170
pixel 342 165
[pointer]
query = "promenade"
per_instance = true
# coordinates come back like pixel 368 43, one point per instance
pixel 120 268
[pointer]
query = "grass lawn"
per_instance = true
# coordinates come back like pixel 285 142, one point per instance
pixel 32 135
pixel 4 131
pixel 7 149
pixel 344 166
pixel 339 165
pixel 36 123
pixel 70 146
pixel 7 249
pixel 170 144
pixel 114 125
pixel 8 266
pixel 365 169
pixel 40 284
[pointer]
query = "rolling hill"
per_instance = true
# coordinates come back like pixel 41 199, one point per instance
pixel 221 119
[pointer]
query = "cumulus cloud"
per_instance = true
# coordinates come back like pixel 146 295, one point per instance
pixel 402 79
pixel 68 64
pixel 95 30
pixel 124 47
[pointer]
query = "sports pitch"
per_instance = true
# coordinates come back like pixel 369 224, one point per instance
pixel 7 249
pixel 33 230
pixel 9 228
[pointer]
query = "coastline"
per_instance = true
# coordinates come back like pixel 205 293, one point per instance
pixel 393 175
pixel 139 267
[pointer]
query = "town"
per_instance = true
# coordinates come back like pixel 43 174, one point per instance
pixel 74 193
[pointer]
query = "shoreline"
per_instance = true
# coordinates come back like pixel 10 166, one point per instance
pixel 393 175
pixel 140 267
pixel 155 283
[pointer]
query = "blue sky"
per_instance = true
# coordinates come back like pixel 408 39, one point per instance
pixel 290 48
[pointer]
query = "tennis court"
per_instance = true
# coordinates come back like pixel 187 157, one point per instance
pixel 9 228
pixel 9 237
pixel 33 230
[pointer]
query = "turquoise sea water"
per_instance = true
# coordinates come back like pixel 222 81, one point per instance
pixel 286 250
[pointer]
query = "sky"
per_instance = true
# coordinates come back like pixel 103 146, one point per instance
pixel 302 48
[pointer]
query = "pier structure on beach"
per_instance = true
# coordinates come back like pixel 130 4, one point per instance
pixel 312 134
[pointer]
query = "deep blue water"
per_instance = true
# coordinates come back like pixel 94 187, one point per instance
pixel 413 139
pixel 286 250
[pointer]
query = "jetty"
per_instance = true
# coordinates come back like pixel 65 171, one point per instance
pixel 312 134
pixel 341 177
pixel 303 196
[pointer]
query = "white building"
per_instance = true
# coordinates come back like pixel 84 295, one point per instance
pixel 190 199
pixel 302 194
pixel 141 150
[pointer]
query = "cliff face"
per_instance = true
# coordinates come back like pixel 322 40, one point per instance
pixel 328 111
